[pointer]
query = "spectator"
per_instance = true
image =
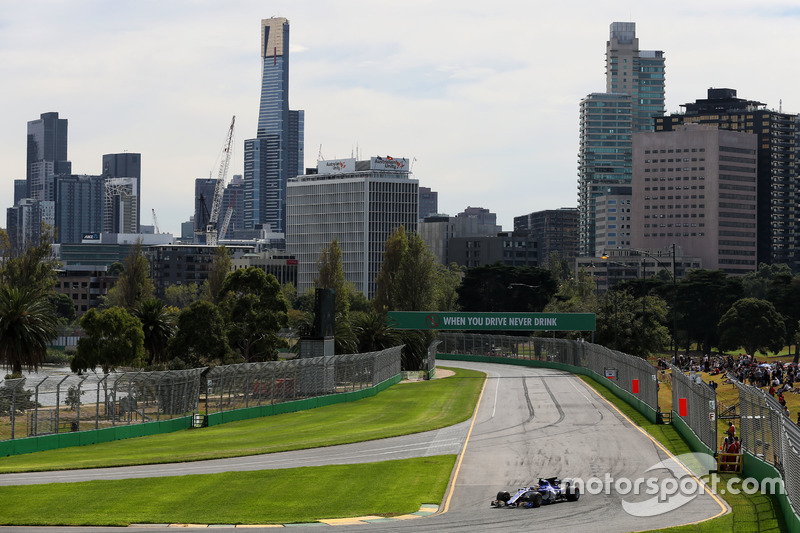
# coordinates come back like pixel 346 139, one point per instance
pixel 736 446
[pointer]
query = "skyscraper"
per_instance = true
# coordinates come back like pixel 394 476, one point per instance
pixel 778 188
pixel 276 154
pixel 634 97
pixel 47 155
pixel 637 73
pixel 604 159
pixel 78 206
pixel 127 165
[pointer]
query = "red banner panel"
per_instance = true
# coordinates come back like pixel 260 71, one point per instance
pixel 682 408
pixel 635 386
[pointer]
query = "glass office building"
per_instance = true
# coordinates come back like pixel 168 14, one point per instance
pixel 276 154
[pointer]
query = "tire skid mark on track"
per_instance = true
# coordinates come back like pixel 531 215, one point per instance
pixel 527 399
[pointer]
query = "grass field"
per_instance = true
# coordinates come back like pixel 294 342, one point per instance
pixel 264 497
pixel 400 410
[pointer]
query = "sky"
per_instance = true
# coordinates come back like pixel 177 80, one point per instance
pixel 483 96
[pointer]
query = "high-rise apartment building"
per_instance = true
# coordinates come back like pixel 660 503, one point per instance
pixel 634 97
pixel 24 222
pixel 778 188
pixel 276 154
pixel 127 165
pixel 638 73
pixel 555 230
pixel 121 206
pixel 47 155
pixel 79 207
pixel 428 202
pixel 695 187
pixel 203 202
pixel 604 159
pixel 360 207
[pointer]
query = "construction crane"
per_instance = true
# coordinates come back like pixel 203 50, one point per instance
pixel 155 222
pixel 212 234
pixel 227 220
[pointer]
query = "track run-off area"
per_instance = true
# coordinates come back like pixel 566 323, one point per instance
pixel 530 423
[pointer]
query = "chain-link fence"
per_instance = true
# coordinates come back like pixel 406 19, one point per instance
pixel 630 373
pixel 67 403
pixel 696 403
pixel 769 434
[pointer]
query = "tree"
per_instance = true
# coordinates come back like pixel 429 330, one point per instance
pixel 415 281
pixel 158 326
pixel 116 268
pixel 784 294
pixel 181 296
pixel 114 338
pixel 34 267
pixel 200 339
pixel 500 287
pixel 256 310
pixel 394 250
pixel 758 284
pixel 448 280
pixel 703 297
pixel 753 324
pixel 330 275
pixel 220 268
pixel 27 325
pixel 63 306
pixel 134 284
pixel 373 332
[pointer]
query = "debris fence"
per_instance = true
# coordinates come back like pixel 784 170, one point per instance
pixel 68 402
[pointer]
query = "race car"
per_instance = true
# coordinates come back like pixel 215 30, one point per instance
pixel 548 490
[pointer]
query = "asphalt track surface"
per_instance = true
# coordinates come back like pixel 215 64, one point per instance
pixel 530 423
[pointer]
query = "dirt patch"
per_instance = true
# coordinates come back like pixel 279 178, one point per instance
pixel 443 373
pixel 439 374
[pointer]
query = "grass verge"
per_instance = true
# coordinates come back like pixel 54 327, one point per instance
pixel 265 497
pixel 755 513
pixel 399 410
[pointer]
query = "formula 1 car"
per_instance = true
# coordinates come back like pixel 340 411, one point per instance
pixel 548 490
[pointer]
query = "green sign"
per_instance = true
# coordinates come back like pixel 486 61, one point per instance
pixel 492 321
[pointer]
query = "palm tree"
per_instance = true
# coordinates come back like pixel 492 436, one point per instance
pixel 158 325
pixel 374 333
pixel 27 325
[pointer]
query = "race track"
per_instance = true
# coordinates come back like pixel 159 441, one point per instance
pixel 531 423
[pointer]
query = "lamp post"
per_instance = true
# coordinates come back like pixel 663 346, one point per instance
pixel 674 298
pixel 605 259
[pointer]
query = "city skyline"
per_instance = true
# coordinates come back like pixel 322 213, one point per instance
pixel 471 91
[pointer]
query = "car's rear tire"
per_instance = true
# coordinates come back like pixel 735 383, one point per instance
pixel 573 493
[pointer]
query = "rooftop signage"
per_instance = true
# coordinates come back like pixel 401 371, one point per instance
pixel 388 163
pixel 336 166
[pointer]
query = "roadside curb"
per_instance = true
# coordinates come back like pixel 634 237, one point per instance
pixel 426 509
